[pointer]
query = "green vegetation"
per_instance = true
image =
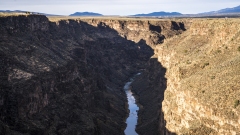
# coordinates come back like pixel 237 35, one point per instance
pixel 205 64
pixel 188 62
pixel 236 103
pixel 239 48
pixel 219 51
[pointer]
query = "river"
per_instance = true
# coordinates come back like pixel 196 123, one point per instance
pixel 133 108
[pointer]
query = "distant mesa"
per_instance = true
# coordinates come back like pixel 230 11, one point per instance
pixel 13 11
pixel 225 11
pixel 85 14
pixel 20 11
pixel 162 13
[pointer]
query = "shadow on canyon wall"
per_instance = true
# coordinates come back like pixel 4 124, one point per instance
pixel 149 89
pixel 68 77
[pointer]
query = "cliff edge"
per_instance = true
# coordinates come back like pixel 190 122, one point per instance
pixel 203 89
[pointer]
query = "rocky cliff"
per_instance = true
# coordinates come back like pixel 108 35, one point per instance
pixel 67 76
pixel 64 77
pixel 203 91
pixel 199 93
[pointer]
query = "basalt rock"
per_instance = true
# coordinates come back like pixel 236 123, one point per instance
pixel 67 77
pixel 64 77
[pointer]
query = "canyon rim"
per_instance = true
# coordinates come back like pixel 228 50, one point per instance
pixel 66 75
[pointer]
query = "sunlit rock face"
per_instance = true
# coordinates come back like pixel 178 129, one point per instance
pixel 202 95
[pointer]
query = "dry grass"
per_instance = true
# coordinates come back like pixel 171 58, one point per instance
pixel 103 18
pixel 207 60
pixel 3 14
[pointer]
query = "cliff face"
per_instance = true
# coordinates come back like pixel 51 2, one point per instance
pixel 66 77
pixel 149 89
pixel 153 32
pixel 202 95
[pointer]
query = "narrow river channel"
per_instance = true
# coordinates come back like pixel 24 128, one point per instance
pixel 133 108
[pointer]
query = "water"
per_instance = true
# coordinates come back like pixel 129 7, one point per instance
pixel 133 108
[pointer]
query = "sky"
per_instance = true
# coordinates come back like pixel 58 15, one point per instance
pixel 117 7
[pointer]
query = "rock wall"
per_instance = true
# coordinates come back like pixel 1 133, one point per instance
pixel 66 77
pixel 203 91
pixel 152 31
pixel 149 89
pixel 196 89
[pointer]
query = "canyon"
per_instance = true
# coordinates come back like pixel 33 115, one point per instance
pixel 66 75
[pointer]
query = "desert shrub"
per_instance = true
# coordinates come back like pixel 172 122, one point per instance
pixel 188 62
pixel 206 64
pixel 219 51
pixel 236 103
pixel 239 48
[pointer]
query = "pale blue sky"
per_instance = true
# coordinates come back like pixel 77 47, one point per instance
pixel 117 7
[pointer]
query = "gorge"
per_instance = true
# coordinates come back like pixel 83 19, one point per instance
pixel 66 75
